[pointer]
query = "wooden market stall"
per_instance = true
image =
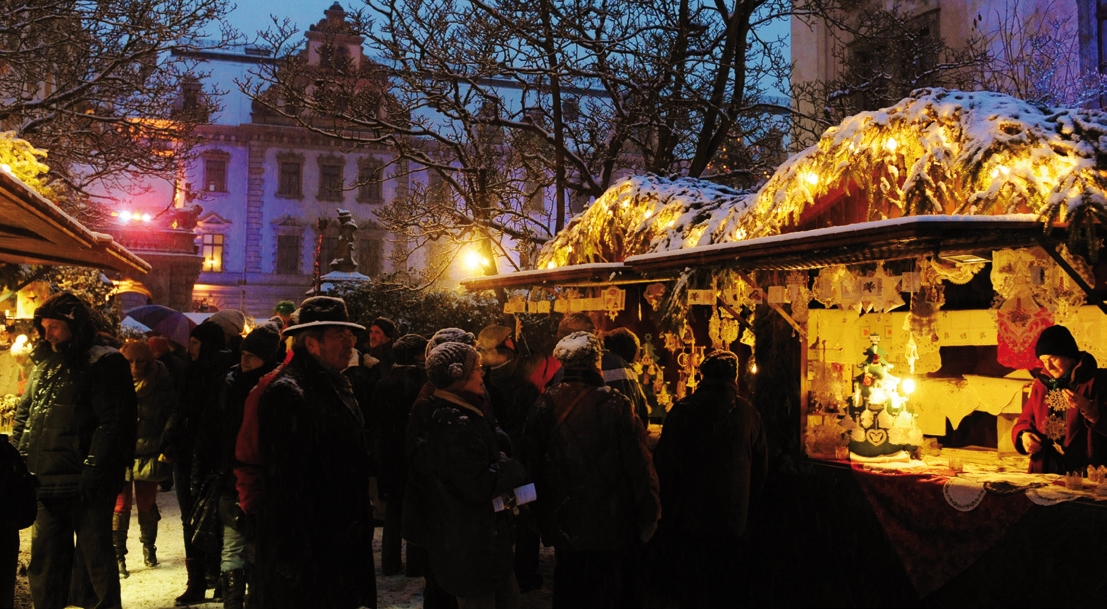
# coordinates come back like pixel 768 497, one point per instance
pixel 35 231
pixel 940 236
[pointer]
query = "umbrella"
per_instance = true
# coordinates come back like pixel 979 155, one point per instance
pixel 167 322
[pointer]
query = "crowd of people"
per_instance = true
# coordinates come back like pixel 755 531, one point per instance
pixel 480 451
pixel 270 442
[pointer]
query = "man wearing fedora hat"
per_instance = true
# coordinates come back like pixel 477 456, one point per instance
pixel 315 531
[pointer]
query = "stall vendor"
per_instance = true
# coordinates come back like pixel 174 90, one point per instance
pixel 1060 426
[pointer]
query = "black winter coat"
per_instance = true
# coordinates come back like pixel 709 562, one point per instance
pixel 156 406
pixel 315 526
pixel 712 458
pixel 394 397
pixel 597 488
pixel 77 414
pixel 517 396
pixel 468 543
pixel 203 383
pixel 219 423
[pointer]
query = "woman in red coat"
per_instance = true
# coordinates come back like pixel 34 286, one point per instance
pixel 1060 426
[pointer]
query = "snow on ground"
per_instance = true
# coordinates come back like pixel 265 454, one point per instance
pixel 155 588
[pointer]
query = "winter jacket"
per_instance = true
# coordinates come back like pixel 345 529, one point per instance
pixel 416 497
pixel 394 397
pixel 618 374
pixel 468 543
pixel 587 452
pixel 247 451
pixel 203 383
pixel 1084 442
pixel 219 425
pixel 315 524
pixel 712 459
pixel 516 396
pixel 77 414
pixel 157 403
pixel 414 521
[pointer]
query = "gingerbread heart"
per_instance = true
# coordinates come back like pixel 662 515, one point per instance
pixel 876 437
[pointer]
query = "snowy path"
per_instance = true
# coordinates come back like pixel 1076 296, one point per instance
pixel 155 588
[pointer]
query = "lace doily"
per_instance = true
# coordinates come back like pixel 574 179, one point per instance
pixel 963 495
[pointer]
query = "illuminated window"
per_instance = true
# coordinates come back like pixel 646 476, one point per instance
pixel 215 175
pixel 211 249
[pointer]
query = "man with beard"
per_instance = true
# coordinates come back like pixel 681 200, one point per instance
pixel 314 543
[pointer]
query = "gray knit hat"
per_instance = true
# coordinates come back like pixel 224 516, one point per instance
pixel 408 347
pixel 451 363
pixel 579 350
pixel 232 321
pixel 450 335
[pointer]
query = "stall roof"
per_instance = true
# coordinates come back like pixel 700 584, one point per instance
pixel 577 274
pixel 35 231
pixel 894 239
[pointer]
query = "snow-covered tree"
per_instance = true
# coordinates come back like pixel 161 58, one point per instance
pixel 505 100
pixel 1034 54
pixel 96 84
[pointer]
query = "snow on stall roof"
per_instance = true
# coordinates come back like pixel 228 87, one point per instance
pixel 647 213
pixel 944 152
pixel 937 152
pixel 847 229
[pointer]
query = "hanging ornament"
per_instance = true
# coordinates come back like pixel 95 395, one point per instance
pixel 653 294
pixel 1057 401
pixel 959 273
pixel 1055 428
pixel 826 287
pixel 715 329
pixel 614 300
pixel 730 329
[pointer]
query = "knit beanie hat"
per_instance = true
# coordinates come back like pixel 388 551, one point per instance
pixel 232 321
pixel 408 347
pixel 720 365
pixel 449 364
pixel 450 335
pixel 579 350
pixel 387 326
pixel 263 341
pixel 210 335
pixel 1057 340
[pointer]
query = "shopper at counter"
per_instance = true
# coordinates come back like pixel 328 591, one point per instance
pixel 1060 426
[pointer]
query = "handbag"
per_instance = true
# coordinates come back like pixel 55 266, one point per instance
pixel 149 469
pixel 203 521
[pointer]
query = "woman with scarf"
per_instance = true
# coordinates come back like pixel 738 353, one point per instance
pixel 1061 426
